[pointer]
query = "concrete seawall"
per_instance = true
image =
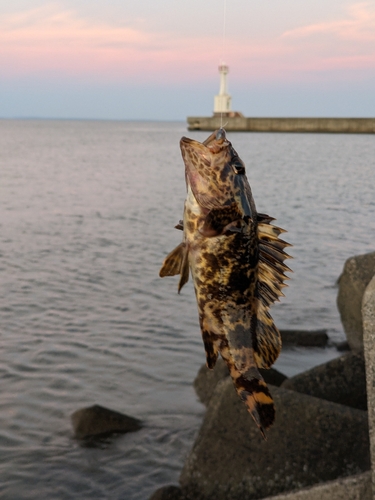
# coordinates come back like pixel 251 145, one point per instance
pixel 313 125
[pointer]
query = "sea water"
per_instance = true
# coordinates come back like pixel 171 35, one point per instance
pixel 88 210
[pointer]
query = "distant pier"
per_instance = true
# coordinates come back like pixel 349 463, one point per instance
pixel 239 123
pixel 234 121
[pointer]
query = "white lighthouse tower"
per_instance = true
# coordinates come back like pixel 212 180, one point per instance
pixel 223 101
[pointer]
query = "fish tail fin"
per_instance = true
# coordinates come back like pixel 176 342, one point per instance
pixel 251 388
pixel 258 400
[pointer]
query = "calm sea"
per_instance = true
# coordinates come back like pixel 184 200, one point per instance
pixel 87 216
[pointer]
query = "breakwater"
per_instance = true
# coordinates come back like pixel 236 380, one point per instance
pixel 312 125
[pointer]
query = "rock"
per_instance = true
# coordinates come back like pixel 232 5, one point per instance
pixel 97 420
pixel 341 380
pixel 357 274
pixel 312 441
pixel 273 376
pixel 357 487
pixel 368 311
pixel 167 493
pixel 343 346
pixel 206 380
pixel 306 338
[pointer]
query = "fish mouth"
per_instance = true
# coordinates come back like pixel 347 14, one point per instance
pixel 186 142
pixel 200 157
pixel 218 136
pixel 195 152
pixel 198 163
pixel 214 142
pixel 203 163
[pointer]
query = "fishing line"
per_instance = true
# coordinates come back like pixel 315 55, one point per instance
pixel 224 32
pixel 223 47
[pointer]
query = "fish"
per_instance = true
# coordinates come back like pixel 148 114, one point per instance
pixel 236 260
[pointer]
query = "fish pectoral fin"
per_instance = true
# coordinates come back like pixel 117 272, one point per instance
pixel 173 261
pixel 234 227
pixel 220 220
pixel 176 262
pixel 184 271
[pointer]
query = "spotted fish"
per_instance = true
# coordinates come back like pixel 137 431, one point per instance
pixel 237 264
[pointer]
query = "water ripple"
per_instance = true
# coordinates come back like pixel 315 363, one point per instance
pixel 90 209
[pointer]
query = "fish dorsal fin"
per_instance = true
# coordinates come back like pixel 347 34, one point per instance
pixel 271 267
pixel 271 277
pixel 176 262
pixel 266 338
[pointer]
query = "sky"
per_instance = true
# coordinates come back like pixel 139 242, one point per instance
pixel 158 59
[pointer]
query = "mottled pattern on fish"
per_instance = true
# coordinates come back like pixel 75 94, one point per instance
pixel 237 263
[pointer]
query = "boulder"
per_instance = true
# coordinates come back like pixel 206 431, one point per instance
pixel 357 487
pixel 273 376
pixel 305 338
pixel 97 420
pixel 368 311
pixel 312 441
pixel 206 379
pixel 168 493
pixel 341 380
pixel 357 274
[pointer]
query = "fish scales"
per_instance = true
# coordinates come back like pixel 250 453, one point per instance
pixel 236 259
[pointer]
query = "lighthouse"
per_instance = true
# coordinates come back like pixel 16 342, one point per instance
pixel 222 108
pixel 223 101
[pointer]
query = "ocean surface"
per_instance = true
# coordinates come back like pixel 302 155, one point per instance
pixel 88 210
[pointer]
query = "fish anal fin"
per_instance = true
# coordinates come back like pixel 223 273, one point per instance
pixel 176 262
pixel 210 341
pixel 211 352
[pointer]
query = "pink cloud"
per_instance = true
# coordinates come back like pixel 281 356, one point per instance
pixel 49 41
pixel 50 24
pixel 359 25
pixel 343 44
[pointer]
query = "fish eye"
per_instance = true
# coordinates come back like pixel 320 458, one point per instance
pixel 238 168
